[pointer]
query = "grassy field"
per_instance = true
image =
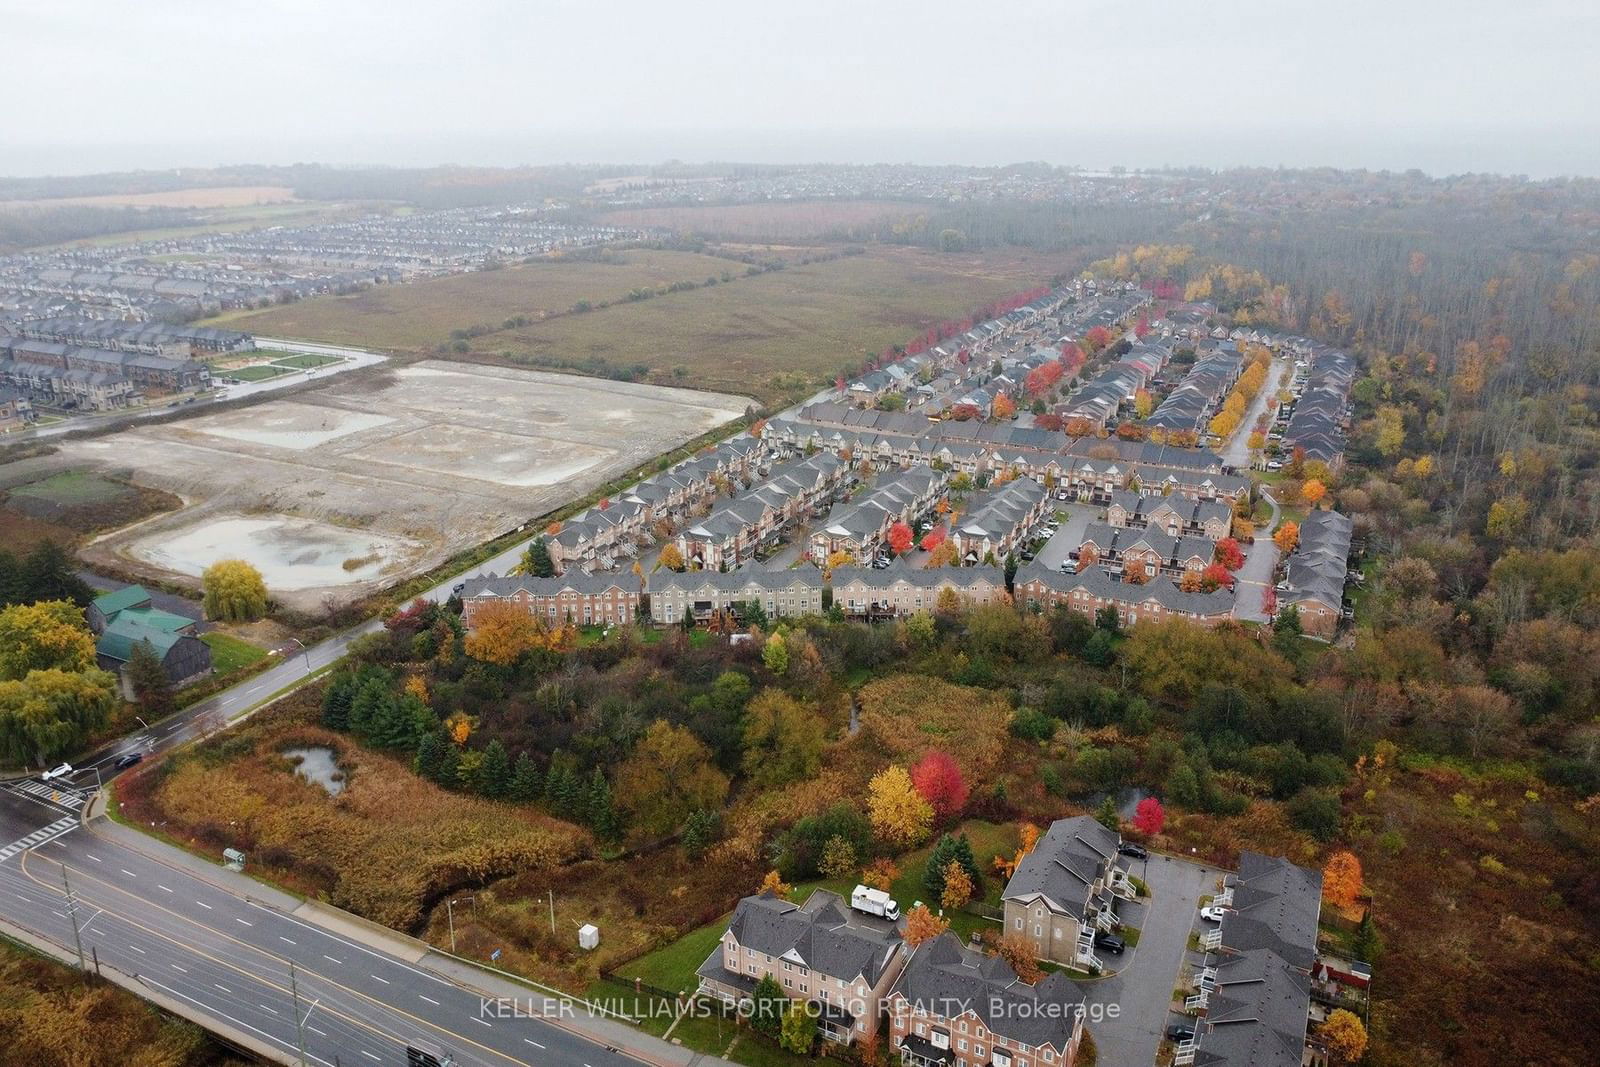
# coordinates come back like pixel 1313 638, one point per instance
pixel 785 220
pixel 304 360
pixel 259 372
pixel 781 332
pixel 73 489
pixel 418 316
pixel 228 653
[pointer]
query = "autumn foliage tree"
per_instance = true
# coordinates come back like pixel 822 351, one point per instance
pixel 773 883
pixel 899 814
pixel 234 591
pixel 957 887
pixel 1018 951
pixel 1228 554
pixel 1215 576
pixel 901 538
pixel 933 539
pixel 1286 537
pixel 670 557
pixel 881 873
pixel 1149 817
pixel 502 633
pixel 1004 407
pixel 938 779
pixel 1344 1036
pixel 1341 880
pixel 923 925
pixel 1312 492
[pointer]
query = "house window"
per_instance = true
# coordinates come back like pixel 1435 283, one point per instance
pixel 1037 930
pixel 1019 923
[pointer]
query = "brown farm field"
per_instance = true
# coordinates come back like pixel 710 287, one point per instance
pixel 780 334
pixel 419 316
pixel 794 220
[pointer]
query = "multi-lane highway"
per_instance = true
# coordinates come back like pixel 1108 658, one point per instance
pixel 219 949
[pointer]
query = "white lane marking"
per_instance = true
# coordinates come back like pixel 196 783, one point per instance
pixel 314 1030
pixel 532 1042
pixel 22 898
pixel 163 888
pixel 239 920
pixel 97 933
pixel 204 905
pixel 477 1020
pixel 139 950
pixel 385 981
pixel 92 856
pixel 285 940
pixel 224 988
pixel 430 1000
pixel 175 967
pixel 330 958
pixel 127 872
pixel 263 1007
pixel 368 1055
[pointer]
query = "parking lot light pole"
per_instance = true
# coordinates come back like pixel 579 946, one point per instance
pixel 450 915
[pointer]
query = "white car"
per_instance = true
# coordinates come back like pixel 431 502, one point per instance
pixel 60 771
pixel 1213 913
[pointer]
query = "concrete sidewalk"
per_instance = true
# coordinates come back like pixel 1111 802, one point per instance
pixel 470 976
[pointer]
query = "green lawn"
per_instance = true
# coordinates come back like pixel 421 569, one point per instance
pixel 305 361
pixel 71 488
pixel 229 654
pixel 674 966
pixel 257 373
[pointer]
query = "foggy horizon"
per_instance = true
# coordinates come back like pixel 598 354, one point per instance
pixel 1425 86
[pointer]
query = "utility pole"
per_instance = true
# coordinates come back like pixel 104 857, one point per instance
pixel 72 910
pixel 552 909
pixel 299 1023
pixel 450 914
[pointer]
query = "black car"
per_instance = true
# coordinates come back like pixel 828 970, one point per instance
pixel 1180 1032
pixel 1138 852
pixel 1110 942
pixel 124 762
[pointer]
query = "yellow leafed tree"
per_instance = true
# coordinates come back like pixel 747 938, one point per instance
pixel 898 812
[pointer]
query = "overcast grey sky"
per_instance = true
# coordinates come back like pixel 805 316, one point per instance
pixel 1444 85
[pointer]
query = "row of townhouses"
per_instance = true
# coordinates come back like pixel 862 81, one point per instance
pixel 860 526
pixel 1137 553
pixel 72 376
pixel 1321 415
pixel 793 491
pixel 1316 571
pixel 997 520
pixel 1094 589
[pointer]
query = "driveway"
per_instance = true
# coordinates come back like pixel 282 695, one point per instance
pixel 1237 451
pixel 1260 564
pixel 1128 1013
pixel 1070 535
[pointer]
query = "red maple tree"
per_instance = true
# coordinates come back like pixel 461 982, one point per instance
pixel 1149 817
pixel 941 784
pixel 900 538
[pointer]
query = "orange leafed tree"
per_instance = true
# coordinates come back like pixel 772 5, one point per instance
pixel 773 883
pixel 880 874
pixel 1004 407
pixel 957 886
pixel 502 633
pixel 1018 951
pixel 1028 837
pixel 923 925
pixel 1313 492
pixel 1341 880
pixel 1286 537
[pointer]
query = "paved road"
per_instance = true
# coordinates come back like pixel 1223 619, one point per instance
pixel 188 938
pixel 1237 451
pixel 1260 564
pixel 1141 991
pixel 1070 534
pixel 219 953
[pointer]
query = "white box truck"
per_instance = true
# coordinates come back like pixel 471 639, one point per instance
pixel 874 902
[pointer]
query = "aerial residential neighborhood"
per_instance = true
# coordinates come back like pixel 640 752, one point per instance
pixel 708 535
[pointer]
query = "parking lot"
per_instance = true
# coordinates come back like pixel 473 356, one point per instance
pixel 1129 1012
pixel 1070 534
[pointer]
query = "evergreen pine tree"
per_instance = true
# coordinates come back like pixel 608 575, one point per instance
pixel 336 700
pixel 1108 816
pixel 526 784
pixel 494 777
pixel 430 755
pixel 449 766
pixel 48 573
pixel 151 686
pixel 537 562
pixel 368 708
pixel 602 812
pixel 12 588
pixel 698 832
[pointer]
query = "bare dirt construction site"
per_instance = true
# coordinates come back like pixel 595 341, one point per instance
pixel 339 492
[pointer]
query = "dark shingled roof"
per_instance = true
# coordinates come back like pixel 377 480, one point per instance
pixel 819 935
pixel 948 979
pixel 1257 1015
pixel 1064 864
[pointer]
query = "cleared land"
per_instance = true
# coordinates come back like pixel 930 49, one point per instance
pixel 790 219
pixel 419 316
pixel 347 489
pixel 209 197
pixel 780 332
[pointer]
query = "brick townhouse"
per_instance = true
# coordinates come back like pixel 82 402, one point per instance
pixel 1178 516
pixel 1316 571
pixel 997 519
pixel 1145 550
pixel 900 590
pixel 784 594
pixel 582 598
pixel 956 1007
pixel 820 951
pixel 1067 890
pixel 1092 589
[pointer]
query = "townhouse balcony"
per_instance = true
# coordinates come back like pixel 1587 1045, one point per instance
pixel 1211 939
pixel 1184 1054
pixel 1198 1001
pixel 1206 979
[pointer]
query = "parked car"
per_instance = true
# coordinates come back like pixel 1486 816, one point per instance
pixel 1129 848
pixel 1213 913
pixel 458 588
pixel 1274 465
pixel 1180 1032
pixel 128 760
pixel 60 771
pixel 1110 942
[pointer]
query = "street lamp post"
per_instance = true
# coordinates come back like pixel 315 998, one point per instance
pixel 304 651
pixel 450 914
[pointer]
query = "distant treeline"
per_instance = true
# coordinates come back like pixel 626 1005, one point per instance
pixel 28 227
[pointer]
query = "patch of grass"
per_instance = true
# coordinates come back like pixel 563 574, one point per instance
pixel 674 966
pixel 305 360
pixel 229 654
pixel 259 372
pixel 72 488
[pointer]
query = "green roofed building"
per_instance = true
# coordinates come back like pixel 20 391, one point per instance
pixel 125 618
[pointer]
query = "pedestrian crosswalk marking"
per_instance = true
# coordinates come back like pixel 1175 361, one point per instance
pixel 58 795
pixel 42 836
